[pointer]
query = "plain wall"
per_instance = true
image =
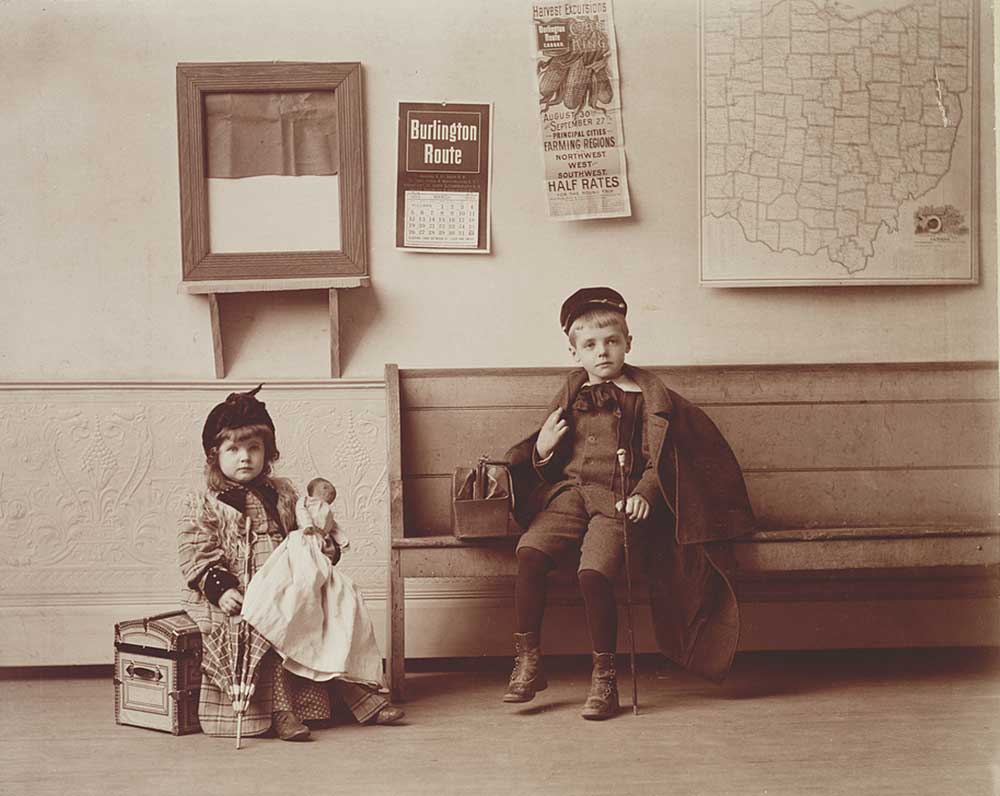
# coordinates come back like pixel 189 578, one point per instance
pixel 89 219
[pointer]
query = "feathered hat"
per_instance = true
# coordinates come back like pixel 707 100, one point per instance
pixel 239 409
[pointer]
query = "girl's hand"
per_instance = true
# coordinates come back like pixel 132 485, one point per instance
pixel 553 429
pixel 311 530
pixel 231 601
pixel 636 508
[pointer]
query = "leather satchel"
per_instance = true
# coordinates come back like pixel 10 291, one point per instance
pixel 482 501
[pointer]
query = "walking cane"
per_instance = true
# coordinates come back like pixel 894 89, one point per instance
pixel 628 586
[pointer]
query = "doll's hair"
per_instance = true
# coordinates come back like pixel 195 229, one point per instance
pixel 600 318
pixel 316 482
pixel 213 475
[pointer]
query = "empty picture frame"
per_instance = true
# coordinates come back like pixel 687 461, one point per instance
pixel 246 242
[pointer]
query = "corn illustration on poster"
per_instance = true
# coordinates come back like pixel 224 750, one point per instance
pixel 579 107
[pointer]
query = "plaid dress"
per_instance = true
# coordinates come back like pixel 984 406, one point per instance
pixel 209 535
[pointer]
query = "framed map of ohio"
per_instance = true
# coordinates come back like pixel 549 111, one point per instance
pixel 839 142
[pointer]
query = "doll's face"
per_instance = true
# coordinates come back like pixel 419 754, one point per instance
pixel 325 491
pixel 600 350
pixel 242 460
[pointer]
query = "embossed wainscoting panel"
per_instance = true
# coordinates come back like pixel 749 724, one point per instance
pixel 92 475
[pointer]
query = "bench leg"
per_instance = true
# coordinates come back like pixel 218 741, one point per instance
pixel 396 627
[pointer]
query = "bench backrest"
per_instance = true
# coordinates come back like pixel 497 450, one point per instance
pixel 820 445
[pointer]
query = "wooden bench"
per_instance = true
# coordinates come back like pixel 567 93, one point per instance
pixel 874 484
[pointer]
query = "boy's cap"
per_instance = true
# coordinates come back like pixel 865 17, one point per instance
pixel 239 409
pixel 590 298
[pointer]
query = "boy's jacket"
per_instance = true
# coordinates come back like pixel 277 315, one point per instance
pixel 683 545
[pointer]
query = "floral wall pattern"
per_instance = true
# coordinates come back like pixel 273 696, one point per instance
pixel 92 475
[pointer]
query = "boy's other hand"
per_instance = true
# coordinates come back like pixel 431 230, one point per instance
pixel 231 601
pixel 553 429
pixel 636 508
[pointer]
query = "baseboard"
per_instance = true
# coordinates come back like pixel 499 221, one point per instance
pixel 482 627
pixel 472 619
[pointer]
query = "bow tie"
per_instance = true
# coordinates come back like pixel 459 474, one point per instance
pixel 596 397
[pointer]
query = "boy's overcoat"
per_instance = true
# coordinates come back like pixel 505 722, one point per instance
pixel 684 545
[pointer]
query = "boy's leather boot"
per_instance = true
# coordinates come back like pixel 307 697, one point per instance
pixel 527 679
pixel 602 702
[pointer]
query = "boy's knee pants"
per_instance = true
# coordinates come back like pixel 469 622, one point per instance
pixel 580 519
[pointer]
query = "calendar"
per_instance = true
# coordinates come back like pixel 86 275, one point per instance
pixel 443 177
pixel 449 219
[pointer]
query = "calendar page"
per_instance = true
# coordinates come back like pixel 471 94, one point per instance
pixel 443 177
pixel 442 219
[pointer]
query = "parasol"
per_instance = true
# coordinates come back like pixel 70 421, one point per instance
pixel 232 654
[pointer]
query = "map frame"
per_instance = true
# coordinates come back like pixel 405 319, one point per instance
pixel 713 278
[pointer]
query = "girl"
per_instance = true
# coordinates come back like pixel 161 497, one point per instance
pixel 239 443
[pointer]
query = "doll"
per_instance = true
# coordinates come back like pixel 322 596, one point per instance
pixel 314 514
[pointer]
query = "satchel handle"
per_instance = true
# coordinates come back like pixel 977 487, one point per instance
pixel 480 482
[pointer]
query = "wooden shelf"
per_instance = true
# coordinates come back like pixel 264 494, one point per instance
pixel 212 290
pixel 266 285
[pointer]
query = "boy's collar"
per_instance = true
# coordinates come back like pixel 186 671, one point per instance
pixel 654 393
pixel 623 382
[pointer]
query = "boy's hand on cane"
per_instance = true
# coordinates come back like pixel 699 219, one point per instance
pixel 231 602
pixel 636 508
pixel 553 429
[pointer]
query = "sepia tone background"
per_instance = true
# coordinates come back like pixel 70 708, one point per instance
pixel 105 369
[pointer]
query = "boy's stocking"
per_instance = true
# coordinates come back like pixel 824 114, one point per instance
pixel 530 589
pixel 602 610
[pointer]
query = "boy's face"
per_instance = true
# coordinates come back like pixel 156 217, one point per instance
pixel 600 350
pixel 242 461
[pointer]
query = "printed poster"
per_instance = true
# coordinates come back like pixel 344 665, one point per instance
pixel 443 177
pixel 583 146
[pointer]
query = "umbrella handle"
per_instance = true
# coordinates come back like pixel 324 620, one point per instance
pixel 247 550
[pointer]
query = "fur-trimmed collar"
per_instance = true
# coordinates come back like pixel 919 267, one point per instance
pixel 236 497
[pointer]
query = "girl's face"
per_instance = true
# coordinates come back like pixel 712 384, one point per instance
pixel 242 460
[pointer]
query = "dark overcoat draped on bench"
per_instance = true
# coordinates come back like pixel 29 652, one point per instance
pixel 685 546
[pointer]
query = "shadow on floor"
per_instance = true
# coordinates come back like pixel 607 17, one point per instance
pixel 755 675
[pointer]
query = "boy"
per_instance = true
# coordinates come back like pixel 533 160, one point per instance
pixel 683 492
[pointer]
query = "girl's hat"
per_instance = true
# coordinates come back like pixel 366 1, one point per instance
pixel 239 409
pixel 590 298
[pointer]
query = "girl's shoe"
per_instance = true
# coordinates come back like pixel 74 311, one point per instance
pixel 288 727
pixel 390 714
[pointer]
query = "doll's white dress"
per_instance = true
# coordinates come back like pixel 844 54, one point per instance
pixel 313 614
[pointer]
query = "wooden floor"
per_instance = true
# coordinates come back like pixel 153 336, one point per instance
pixel 875 722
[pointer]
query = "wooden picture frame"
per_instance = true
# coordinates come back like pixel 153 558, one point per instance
pixel 208 272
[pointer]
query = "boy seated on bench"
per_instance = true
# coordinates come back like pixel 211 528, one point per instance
pixel 680 486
